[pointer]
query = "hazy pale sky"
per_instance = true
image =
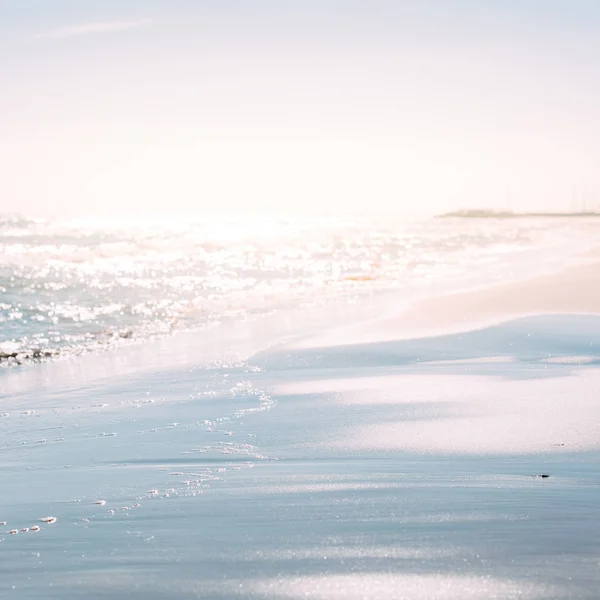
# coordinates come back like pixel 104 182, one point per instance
pixel 292 105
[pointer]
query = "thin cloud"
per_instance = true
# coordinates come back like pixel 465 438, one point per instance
pixel 92 28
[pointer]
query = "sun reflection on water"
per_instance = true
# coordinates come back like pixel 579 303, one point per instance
pixel 71 285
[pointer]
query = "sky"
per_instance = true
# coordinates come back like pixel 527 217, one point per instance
pixel 392 106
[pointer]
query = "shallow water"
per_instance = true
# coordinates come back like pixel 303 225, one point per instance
pixel 68 286
pixel 227 472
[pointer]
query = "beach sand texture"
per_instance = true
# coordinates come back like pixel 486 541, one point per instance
pixel 575 290
pixel 371 461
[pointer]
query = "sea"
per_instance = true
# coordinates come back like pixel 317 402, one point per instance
pixel 70 286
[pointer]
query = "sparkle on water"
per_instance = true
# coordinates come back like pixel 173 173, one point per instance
pixel 72 285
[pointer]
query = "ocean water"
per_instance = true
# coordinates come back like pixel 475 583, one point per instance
pixel 69 286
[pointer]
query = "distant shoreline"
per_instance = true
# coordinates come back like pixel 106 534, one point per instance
pixel 491 214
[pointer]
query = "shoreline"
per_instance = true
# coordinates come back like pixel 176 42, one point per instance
pixel 571 291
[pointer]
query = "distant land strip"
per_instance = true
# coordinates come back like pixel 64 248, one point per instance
pixel 493 214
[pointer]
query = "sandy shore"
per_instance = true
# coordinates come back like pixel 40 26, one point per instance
pixel 575 290
pixel 572 291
